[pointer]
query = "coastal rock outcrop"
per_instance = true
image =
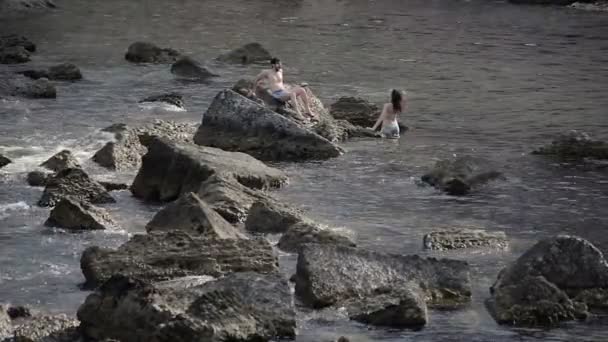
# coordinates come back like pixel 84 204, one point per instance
pixel 558 279
pixel 460 175
pixel 246 54
pixel 145 52
pixel 74 215
pixel 329 274
pixel 74 183
pixel 126 151
pixel 244 306
pixel 355 110
pixel 192 215
pixel 234 123
pixel 174 254
pixel 306 232
pixel 272 217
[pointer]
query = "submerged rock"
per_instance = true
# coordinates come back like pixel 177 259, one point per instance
pixel 329 274
pixel 65 72
pixel 190 214
pixel 126 151
pixel 303 233
pixel 4 161
pixel 74 183
pixel 18 85
pixel 74 215
pixel 170 169
pixel 186 67
pixel 234 123
pixel 460 175
pixel 465 238
pixel 174 99
pixel 575 145
pixel 111 186
pixel 249 53
pixel 144 52
pixel 13 40
pixel 239 307
pixel 165 256
pixel 38 178
pixel 550 283
pixel 60 161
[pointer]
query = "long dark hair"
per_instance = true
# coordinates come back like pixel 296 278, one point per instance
pixel 396 100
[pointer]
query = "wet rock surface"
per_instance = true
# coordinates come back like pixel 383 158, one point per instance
pixel 307 232
pixel 187 67
pixel 246 54
pixel 461 175
pixel 575 145
pixel 174 99
pixel 4 161
pixel 76 184
pixel 272 217
pixel 62 160
pixel 145 52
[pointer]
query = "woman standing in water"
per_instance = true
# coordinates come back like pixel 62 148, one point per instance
pixel 390 112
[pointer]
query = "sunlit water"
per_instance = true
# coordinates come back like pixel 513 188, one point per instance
pixel 484 78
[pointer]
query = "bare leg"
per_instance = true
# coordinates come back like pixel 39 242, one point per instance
pixel 302 93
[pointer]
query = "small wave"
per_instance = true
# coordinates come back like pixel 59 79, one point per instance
pixel 158 107
pixel 7 209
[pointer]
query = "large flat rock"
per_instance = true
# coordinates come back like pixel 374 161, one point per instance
pixel 164 256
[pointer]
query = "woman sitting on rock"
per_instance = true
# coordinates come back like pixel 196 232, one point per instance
pixel 390 112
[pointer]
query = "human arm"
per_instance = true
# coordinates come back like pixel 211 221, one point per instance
pixel 380 118
pixel 258 79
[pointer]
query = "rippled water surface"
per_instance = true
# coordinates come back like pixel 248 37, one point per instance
pixel 484 78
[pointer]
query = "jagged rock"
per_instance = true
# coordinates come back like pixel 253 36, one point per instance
pixel 170 169
pixel 303 233
pixel 126 152
pixel 74 215
pixel 271 217
pixel 4 161
pixel 191 215
pixel 56 328
pixel 73 183
pixel 460 175
pixel 239 307
pixel 575 145
pixel 164 256
pixel 234 123
pixel 355 110
pixel 60 161
pixel 111 186
pixel 400 310
pixel 229 198
pixel 13 40
pixel 143 52
pixel 174 99
pixel 15 312
pixel 187 67
pixel 465 238
pixel 558 279
pixel 249 53
pixel 330 274
pixel 65 72
pixel 6 328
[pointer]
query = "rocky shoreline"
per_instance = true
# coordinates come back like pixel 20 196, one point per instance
pixel 206 271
